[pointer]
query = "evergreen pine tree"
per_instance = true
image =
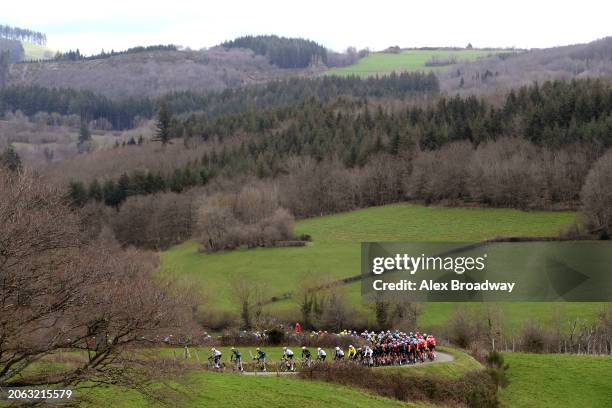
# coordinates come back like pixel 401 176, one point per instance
pixel 77 194
pixel 95 191
pixel 84 137
pixel 10 159
pixel 163 124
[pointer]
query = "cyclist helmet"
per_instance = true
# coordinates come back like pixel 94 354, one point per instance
pixel 284 348
pixel 318 348
pixel 337 348
pixel 257 349
pixel 303 347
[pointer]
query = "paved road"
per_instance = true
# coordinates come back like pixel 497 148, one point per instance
pixel 440 358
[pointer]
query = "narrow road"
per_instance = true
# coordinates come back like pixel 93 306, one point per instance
pixel 440 358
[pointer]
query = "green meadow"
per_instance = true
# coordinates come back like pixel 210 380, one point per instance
pixel 334 253
pixel 412 60
pixel 558 380
pixel 209 389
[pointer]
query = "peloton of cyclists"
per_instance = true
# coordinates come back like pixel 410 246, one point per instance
pixel 377 349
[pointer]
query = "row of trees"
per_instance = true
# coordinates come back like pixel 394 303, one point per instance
pixel 22 34
pixel 281 51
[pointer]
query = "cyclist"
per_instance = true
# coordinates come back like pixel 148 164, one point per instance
pixel 261 358
pixel 431 346
pixel 352 352
pixel 236 357
pixel 288 356
pixel 216 356
pixel 338 353
pixel 306 353
pixel 367 355
pixel 421 346
pixel 321 354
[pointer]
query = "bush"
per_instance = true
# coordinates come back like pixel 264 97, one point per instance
pixel 276 336
pixel 217 319
pixel 461 332
pixel 533 338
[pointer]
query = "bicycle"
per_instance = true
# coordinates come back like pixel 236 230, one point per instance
pixel 306 363
pixel 286 365
pixel 260 365
pixel 212 364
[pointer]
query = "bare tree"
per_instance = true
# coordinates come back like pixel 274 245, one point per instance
pixel 250 297
pixel 597 196
pixel 61 290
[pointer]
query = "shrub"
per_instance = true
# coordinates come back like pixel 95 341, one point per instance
pixel 276 336
pixel 533 338
pixel 461 332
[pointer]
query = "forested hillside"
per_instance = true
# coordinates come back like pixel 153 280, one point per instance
pixel 509 70
pixel 123 113
pixel 318 157
pixel 151 73
pixel 281 51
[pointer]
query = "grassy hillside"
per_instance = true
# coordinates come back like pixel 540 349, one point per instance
pixel 203 389
pixel 37 52
pixel 552 380
pixel 334 254
pixel 413 60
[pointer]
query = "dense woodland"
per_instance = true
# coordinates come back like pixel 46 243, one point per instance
pixel 123 113
pixel 281 51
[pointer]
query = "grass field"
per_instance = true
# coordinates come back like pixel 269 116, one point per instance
pixel 414 60
pixel 553 380
pixel 204 389
pixel 36 52
pixel 462 364
pixel 334 254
